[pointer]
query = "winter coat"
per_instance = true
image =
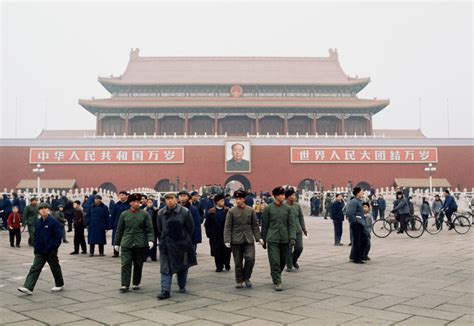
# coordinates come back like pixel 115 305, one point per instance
pixel 117 209
pixel 425 209
pixel 382 204
pixel 450 203
pixel 97 223
pixel 336 211
pixel 31 215
pixel 59 216
pixel 6 205
pixel 436 206
pixel 175 230
pixel 214 227
pixel 197 235
pixel 299 217
pixel 354 209
pixel 241 226
pixel 48 235
pixel 153 212
pixel 78 218
pixel 134 229
pixel 278 224
pixel 401 207
pixel 14 221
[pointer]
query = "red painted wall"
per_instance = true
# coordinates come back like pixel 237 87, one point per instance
pixel 270 167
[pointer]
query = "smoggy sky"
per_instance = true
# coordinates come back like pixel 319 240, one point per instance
pixel 52 53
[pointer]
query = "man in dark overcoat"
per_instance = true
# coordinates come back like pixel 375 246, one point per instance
pixel 177 254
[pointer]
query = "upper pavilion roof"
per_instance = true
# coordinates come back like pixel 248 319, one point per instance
pixel 317 71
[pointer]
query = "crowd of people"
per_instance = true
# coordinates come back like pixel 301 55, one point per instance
pixel 142 226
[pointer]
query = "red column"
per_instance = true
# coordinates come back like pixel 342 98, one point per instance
pixel 126 125
pixel 314 131
pixel 343 129
pixel 371 131
pixel 285 126
pixel 257 125
pixel 216 125
pixel 157 126
pixel 186 124
pixel 98 126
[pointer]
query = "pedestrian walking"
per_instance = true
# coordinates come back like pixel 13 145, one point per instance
pixel 278 232
pixel 48 236
pixel 214 227
pixel 59 216
pixel 134 235
pixel 368 227
pixel 425 211
pixel 153 212
pixel 177 253
pixel 79 226
pixel 401 210
pixel 14 224
pixel 355 215
pixel 327 205
pixel 241 231
pixel 97 223
pixel 382 206
pixel 118 208
pixel 30 216
pixel 185 201
pixel 337 216
pixel 294 252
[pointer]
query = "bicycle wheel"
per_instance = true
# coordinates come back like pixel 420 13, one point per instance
pixel 462 225
pixel 433 226
pixel 381 228
pixel 415 227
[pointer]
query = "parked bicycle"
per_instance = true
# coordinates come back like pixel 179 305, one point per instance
pixel 383 227
pixel 461 223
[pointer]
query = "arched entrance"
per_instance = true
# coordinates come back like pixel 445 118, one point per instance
pixel 108 186
pixel 306 184
pixel 236 182
pixel 364 185
pixel 163 185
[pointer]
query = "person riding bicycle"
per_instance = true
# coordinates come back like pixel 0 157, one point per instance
pixel 402 211
pixel 449 207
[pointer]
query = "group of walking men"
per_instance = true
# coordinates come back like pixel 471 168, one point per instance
pixel 175 230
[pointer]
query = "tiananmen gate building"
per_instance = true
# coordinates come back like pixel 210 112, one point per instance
pixel 252 121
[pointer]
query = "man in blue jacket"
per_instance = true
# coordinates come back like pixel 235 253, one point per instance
pixel 118 208
pixel 449 207
pixel 185 201
pixel 48 236
pixel 337 217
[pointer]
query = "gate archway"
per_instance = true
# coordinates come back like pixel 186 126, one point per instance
pixel 237 181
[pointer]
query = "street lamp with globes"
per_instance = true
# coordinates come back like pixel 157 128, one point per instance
pixel 38 170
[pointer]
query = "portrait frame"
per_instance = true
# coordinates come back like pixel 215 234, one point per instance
pixel 230 163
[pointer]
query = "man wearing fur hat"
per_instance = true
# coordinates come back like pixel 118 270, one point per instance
pixel 185 201
pixel 240 231
pixel 278 231
pixel 134 234
pixel 214 226
pixel 294 252
pixel 117 209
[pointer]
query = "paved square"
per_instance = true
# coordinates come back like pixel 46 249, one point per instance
pixel 425 281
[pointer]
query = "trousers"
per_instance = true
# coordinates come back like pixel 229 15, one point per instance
pixel 244 260
pixel 38 264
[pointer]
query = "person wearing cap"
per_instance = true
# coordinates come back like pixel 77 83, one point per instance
pixel 294 252
pixel 355 215
pixel 79 226
pixel 118 208
pixel 48 236
pixel 177 254
pixel 153 212
pixel 59 216
pixel 134 235
pixel 278 232
pixel 30 216
pixel 240 232
pixel 185 201
pixel 196 201
pixel 97 222
pixel 214 226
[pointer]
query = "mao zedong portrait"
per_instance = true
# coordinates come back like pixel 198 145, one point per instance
pixel 237 162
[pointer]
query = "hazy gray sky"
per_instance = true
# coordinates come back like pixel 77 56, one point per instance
pixel 52 53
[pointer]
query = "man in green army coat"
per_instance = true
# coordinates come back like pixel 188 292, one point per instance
pixel 278 230
pixel 134 233
pixel 30 215
pixel 294 252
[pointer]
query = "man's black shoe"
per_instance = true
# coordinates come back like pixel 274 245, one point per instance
pixel 74 253
pixel 295 265
pixel 227 267
pixel 218 270
pixel 358 262
pixel 163 295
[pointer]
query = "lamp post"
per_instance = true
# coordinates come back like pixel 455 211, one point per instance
pixel 430 169
pixel 38 170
